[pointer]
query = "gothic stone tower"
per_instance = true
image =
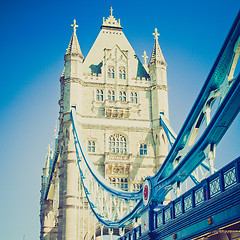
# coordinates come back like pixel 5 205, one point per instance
pixel 118 101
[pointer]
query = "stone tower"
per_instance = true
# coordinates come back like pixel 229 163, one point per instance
pixel 118 101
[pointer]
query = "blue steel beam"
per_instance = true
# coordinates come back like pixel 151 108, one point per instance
pixel 82 155
pixel 94 172
pixel 171 135
pixel 218 73
pixel 213 134
pixel 51 170
pixel 216 197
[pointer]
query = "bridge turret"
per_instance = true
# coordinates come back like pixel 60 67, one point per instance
pixel 159 91
pixel 71 95
pixel 73 57
pixel 72 75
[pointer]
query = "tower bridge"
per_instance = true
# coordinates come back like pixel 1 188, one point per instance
pixel 111 174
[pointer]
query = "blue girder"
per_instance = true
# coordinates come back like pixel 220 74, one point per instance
pixel 171 135
pixel 214 80
pixel 94 172
pixel 126 220
pixel 218 126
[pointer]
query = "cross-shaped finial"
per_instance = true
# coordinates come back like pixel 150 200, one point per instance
pixel 145 58
pixel 111 10
pixel 74 25
pixel 156 34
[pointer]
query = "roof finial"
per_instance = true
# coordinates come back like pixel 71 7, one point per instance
pixel 74 25
pixel 156 34
pixel 145 58
pixel 111 21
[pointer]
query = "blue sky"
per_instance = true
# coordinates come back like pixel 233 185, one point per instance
pixel 34 37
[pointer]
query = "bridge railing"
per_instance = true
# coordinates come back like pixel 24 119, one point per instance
pixel 209 188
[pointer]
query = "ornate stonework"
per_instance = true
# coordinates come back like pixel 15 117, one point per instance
pixel 118 101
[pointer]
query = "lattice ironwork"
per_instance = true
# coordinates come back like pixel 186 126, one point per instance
pixel 214 187
pixel 159 219
pixel 178 208
pixel 199 197
pixel 167 215
pixel 188 203
pixel 230 178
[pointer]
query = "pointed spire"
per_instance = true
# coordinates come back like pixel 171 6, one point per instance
pixel 73 47
pixel 63 73
pixel 145 57
pixel 157 56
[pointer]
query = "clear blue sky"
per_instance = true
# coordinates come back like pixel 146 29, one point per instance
pixel 34 36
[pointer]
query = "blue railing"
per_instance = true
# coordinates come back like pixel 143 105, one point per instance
pixel 209 188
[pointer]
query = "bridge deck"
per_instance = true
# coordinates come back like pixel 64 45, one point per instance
pixel 209 210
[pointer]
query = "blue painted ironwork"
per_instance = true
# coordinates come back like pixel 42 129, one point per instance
pixel 185 203
pixel 214 187
pixel 207 95
pixel 51 170
pixel 101 195
pixel 171 135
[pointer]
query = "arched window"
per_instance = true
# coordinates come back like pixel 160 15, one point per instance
pixel 99 95
pixel 133 97
pixel 117 144
pixel 122 96
pixel 111 95
pixel 143 149
pixel 91 146
pixel 126 184
pixel 110 72
pixel 122 73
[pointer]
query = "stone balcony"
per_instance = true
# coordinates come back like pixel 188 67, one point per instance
pixel 116 109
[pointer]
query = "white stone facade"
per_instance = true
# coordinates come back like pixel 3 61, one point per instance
pixel 118 102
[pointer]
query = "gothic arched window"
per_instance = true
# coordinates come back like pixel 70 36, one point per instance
pixel 91 146
pixel 120 183
pixel 111 95
pixel 134 97
pixel 122 96
pixel 110 72
pixel 143 149
pixel 122 73
pixel 117 144
pixel 99 95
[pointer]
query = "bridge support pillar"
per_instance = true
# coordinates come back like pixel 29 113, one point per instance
pixel 147 220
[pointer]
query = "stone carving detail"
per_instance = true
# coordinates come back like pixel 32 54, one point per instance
pixel 118 170
pixel 111 112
